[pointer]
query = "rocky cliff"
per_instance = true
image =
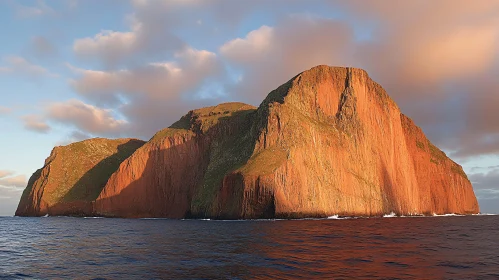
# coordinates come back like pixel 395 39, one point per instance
pixel 73 176
pixel 328 142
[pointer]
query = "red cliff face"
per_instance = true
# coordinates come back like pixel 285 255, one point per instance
pixel 73 176
pixel 328 142
pixel 179 170
pixel 331 141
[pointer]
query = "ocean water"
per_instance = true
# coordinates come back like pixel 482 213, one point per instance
pixel 376 248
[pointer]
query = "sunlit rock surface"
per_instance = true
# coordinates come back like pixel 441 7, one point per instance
pixel 73 176
pixel 328 142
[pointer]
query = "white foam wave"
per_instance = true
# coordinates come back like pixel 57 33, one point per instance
pixel 391 215
pixel 448 215
pixel 334 217
pixel 337 217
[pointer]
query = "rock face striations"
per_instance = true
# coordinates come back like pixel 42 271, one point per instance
pixel 73 176
pixel 328 142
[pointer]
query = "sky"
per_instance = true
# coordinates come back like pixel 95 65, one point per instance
pixel 76 69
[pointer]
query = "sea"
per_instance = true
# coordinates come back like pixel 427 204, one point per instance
pixel 449 247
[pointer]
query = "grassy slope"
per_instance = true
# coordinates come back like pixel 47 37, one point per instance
pixel 80 170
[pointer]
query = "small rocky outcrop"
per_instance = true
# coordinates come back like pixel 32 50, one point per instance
pixel 73 177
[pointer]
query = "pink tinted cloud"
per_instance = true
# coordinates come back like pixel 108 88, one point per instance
pixel 35 123
pixel 271 56
pixel 430 56
pixel 5 110
pixel 86 117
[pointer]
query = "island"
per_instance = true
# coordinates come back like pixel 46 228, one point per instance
pixel 328 142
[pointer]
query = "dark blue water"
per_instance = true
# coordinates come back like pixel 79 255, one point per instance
pixel 382 248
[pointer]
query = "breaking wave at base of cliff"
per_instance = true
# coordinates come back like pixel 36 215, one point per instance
pixel 336 217
pixel 391 215
pixel 333 217
pixel 339 217
pixel 448 215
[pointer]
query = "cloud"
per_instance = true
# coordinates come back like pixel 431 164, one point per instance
pixel 150 34
pixel 15 182
pixel 440 70
pixel 488 180
pixel 5 173
pixel 4 110
pixel 153 29
pixel 85 117
pixel 8 204
pixel 154 95
pixel 269 56
pixel 35 123
pixel 39 9
pixel 486 186
pixel 78 136
pixel 87 120
pixel 479 134
pixel 447 45
pixel 256 44
pixel 11 188
pixel 43 47
pixel 17 64
pixel 161 80
pixel 148 73
pixel 482 168
pixel 74 136
pixel 109 45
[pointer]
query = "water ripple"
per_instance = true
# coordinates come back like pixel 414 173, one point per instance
pixel 395 248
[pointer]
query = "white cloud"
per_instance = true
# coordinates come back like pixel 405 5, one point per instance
pixel 254 46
